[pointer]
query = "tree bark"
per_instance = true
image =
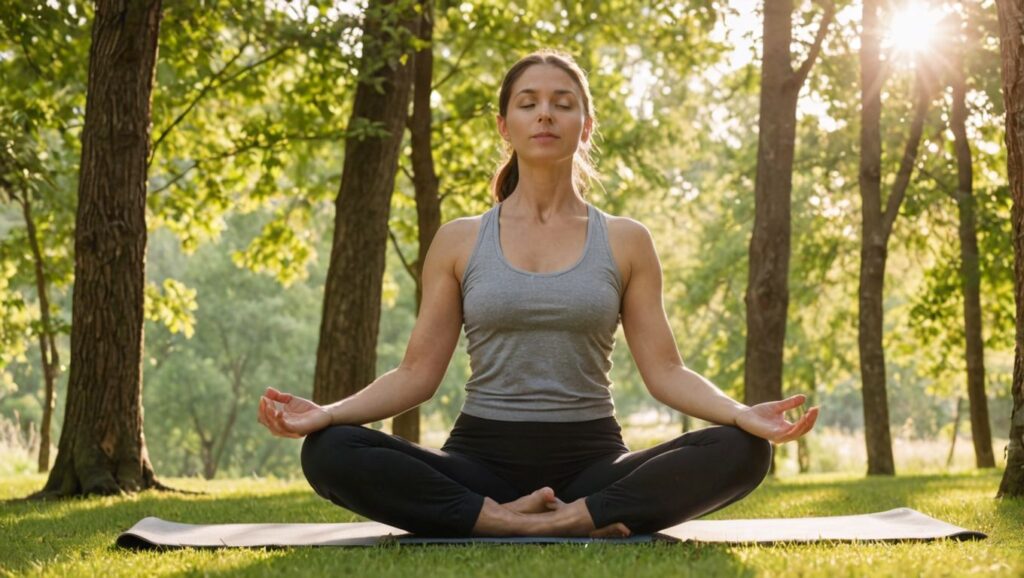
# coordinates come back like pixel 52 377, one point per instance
pixel 767 296
pixel 425 182
pixel 1011 45
pixel 346 355
pixel 970 275
pixel 873 250
pixel 102 449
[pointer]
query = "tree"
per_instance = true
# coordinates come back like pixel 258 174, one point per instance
pixel 876 228
pixel 102 449
pixel 970 271
pixel 37 169
pixel 346 354
pixel 425 182
pixel 1011 46
pixel 767 295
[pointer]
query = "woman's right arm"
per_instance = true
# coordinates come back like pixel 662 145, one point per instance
pixel 431 344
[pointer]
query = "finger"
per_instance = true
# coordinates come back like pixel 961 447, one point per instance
pixel 265 418
pixel 273 421
pixel 790 402
pixel 802 426
pixel 278 395
pixel 813 413
pixel 287 429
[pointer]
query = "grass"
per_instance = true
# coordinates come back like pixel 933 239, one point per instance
pixel 76 537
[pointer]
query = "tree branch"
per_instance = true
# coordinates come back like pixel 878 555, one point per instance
pixel 255 144
pixel 210 83
pixel 800 76
pixel 226 80
pixel 458 60
pixel 195 420
pixel 899 187
pixel 394 241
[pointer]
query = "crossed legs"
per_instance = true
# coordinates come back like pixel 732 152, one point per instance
pixel 433 492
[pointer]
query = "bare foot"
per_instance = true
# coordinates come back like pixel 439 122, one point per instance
pixel 563 520
pixel 541 500
pixel 616 530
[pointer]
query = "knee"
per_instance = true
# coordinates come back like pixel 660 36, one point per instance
pixel 752 454
pixel 325 450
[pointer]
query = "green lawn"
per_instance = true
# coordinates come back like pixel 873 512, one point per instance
pixel 76 538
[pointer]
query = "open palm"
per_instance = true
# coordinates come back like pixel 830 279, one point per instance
pixel 768 420
pixel 290 416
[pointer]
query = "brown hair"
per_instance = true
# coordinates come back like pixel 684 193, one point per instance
pixel 507 176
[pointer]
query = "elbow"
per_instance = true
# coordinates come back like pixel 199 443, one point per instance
pixel 663 382
pixel 422 382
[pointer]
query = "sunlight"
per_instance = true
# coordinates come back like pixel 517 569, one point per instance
pixel 912 29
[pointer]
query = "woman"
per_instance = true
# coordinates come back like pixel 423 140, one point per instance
pixel 541 282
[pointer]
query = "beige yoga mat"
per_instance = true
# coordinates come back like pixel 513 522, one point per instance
pixel 898 524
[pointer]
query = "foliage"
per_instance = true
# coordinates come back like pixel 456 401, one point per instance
pixel 250 109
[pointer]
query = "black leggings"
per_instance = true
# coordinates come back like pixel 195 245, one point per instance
pixel 441 492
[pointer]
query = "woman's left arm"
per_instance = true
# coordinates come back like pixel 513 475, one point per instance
pixel 657 358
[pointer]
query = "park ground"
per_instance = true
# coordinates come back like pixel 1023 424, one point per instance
pixel 76 537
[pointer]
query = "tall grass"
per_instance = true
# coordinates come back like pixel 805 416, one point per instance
pixel 19 451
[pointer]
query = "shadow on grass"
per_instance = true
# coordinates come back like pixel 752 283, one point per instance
pixel 931 494
pixel 494 560
pixel 38 531
pixel 55 532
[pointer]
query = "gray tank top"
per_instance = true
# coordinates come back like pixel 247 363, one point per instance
pixel 540 344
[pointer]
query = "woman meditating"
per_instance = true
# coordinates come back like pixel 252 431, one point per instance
pixel 540 282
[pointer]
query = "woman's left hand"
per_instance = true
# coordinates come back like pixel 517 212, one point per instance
pixel 767 420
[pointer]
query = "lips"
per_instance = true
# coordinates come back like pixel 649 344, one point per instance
pixel 544 135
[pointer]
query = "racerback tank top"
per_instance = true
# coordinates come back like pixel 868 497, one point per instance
pixel 540 344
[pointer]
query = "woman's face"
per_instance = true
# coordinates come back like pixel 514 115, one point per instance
pixel 545 120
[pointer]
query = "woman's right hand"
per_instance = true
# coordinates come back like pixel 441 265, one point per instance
pixel 294 418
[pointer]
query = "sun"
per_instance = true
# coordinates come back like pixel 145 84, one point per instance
pixel 913 28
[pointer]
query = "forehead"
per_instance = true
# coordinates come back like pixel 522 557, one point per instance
pixel 545 78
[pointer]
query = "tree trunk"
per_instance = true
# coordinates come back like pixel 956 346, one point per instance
pixel 48 355
pixel 102 449
pixel 876 228
pixel 970 275
pixel 346 355
pixel 1011 44
pixel 956 431
pixel 767 296
pixel 425 182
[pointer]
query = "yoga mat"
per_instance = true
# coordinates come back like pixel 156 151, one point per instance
pixel 898 524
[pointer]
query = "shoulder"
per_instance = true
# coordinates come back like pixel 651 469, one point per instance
pixel 627 230
pixel 632 245
pixel 454 242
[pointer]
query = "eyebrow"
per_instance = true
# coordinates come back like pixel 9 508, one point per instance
pixel 558 92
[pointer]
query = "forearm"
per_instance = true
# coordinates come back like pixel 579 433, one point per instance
pixel 389 395
pixel 687 391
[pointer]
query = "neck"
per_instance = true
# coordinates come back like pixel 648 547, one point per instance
pixel 544 192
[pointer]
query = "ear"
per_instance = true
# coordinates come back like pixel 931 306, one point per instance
pixel 502 128
pixel 588 126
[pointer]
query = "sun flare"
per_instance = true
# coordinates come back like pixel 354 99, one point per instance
pixel 913 28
